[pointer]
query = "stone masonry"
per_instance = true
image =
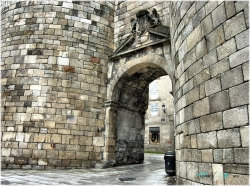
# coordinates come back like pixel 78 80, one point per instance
pixel 75 76
pixel 210 48
pixel 54 73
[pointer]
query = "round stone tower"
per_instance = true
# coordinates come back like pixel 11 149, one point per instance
pixel 54 73
pixel 210 49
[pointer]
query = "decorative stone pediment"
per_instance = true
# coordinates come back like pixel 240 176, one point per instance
pixel 147 30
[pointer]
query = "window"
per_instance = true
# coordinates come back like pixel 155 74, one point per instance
pixel 154 134
pixel 154 109
pixel 153 90
pixel 163 120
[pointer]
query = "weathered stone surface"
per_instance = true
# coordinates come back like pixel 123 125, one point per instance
pixel 211 122
pixel 230 8
pixel 207 140
pixel 212 86
pixel 193 127
pixel 239 57
pixel 237 179
pixel 241 155
pixel 218 175
pixel 192 96
pixel 215 38
pixel 224 156
pixel 193 141
pixel 226 49
pixel 205 167
pixel 220 67
pixel 242 39
pixel 219 101
pixel 235 117
pixel 201 77
pixel 192 168
pixel 245 68
pixel 206 23
pixel 239 95
pixel 183 168
pixel 98 141
pixel 194 37
pixel 234 26
pixel 69 69
pixel 228 138
pixel 210 58
pixel 201 107
pixel 39 154
pixel 244 133
pixel 219 15
pixel 236 168
pixel 232 78
pixel 207 155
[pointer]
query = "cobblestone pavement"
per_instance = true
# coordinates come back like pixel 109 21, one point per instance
pixel 151 172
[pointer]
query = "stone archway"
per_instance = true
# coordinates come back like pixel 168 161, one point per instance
pixel 126 106
pixel 143 57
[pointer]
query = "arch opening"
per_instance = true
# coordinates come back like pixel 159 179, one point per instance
pixel 125 115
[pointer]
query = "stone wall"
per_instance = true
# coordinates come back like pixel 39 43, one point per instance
pixel 210 43
pixel 125 10
pixel 54 74
pixel 55 79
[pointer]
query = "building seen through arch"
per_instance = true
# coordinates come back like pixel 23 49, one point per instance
pixel 159 118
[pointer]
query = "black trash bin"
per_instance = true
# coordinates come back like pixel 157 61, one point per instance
pixel 169 158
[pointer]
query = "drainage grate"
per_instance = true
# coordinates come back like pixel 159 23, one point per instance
pixel 127 179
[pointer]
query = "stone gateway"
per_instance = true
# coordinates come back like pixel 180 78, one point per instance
pixel 75 78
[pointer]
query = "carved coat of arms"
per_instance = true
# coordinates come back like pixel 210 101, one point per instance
pixel 142 23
